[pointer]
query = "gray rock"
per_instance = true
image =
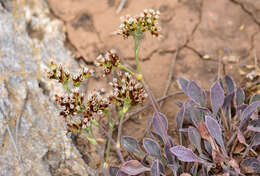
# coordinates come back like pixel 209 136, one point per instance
pixel 33 139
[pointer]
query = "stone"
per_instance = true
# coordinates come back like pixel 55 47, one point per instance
pixel 33 137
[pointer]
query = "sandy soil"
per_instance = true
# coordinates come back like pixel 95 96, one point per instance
pixel 211 37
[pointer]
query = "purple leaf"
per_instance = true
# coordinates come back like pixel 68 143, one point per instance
pixel 184 84
pixel 254 125
pixel 247 113
pixel 157 168
pixel 156 135
pixel 216 97
pixel 168 154
pixel 133 167
pixel 113 170
pixel 195 138
pixel 231 85
pixel 173 167
pixel 254 142
pixel 157 124
pixel 152 147
pixel 255 97
pixel 208 147
pixel 185 154
pixel 240 97
pixel 251 165
pixel 215 131
pixel 180 116
pixel 228 99
pixel 131 145
pixel 196 93
pixel 192 113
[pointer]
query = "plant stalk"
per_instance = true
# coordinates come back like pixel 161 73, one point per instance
pixel 137 39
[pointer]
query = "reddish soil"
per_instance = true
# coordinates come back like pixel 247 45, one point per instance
pixel 211 37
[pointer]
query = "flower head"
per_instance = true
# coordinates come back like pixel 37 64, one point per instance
pixel 108 61
pixel 62 76
pixel 78 114
pixel 146 21
pixel 126 87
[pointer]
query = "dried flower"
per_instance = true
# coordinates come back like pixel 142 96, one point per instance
pixel 62 76
pixel 126 87
pixel 58 73
pixel 108 61
pixel 146 21
pixel 78 114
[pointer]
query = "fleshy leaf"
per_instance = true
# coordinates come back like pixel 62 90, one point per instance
pixel 180 116
pixel 208 147
pixel 251 165
pixel 255 97
pixel 157 168
pixel 185 154
pixel 113 170
pixel 204 133
pixel 168 154
pixel 254 142
pixel 157 126
pixel 215 132
pixel 173 167
pixel 131 145
pixel 152 147
pixel 217 97
pixel 184 84
pixel 133 167
pixel 241 137
pixel 247 113
pixel 240 97
pixel 195 138
pixel 196 93
pixel 231 85
pixel 254 125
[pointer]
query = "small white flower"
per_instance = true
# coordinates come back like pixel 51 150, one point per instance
pixel 145 10
pixel 142 15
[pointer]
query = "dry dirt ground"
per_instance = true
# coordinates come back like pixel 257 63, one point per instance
pixel 212 37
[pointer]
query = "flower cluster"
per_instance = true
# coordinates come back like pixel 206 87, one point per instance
pixel 126 87
pixel 78 114
pixel 71 105
pixel 95 106
pixel 146 21
pixel 58 73
pixel 108 61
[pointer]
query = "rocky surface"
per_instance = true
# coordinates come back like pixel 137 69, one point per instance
pixel 33 139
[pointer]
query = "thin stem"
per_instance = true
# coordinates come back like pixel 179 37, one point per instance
pixel 121 120
pixel 119 131
pixel 137 39
pixel 111 129
pixel 101 155
pixel 126 69
pixel 118 151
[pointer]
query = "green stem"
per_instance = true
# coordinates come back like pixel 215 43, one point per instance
pixel 111 129
pixel 137 39
pixel 121 119
pixel 126 69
